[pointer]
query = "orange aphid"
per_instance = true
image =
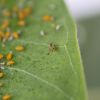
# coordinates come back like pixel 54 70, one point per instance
pixel 47 18
pixel 21 15
pixel 21 23
pixel 1 74
pixel 7 35
pixel 9 56
pixel 6 97
pixel 19 48
pixel 27 11
pixel 1 56
pixel 1 35
pixel 11 62
pixel 15 35
pixel 5 24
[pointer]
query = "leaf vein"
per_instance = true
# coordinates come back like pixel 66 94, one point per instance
pixel 44 81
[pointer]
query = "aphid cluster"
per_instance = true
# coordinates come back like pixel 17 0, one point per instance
pixel 7 34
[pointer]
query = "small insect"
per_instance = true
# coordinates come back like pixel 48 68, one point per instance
pixel 11 62
pixel 11 38
pixel 19 48
pixel 58 27
pixel 21 23
pixel 9 56
pixel 7 35
pixel 1 35
pixel 6 97
pixel 1 74
pixel 2 65
pixel 52 47
pixel 48 18
pixel 42 33
pixel 5 24
pixel 1 56
pixel 27 10
pixel 21 14
pixel 16 35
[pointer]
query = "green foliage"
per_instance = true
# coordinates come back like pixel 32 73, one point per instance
pixel 38 75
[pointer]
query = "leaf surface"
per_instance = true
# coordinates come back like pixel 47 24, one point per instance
pixel 38 75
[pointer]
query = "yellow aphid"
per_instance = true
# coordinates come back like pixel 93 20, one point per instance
pixel 27 11
pixel 1 56
pixel 21 23
pixel 9 56
pixel 21 15
pixel 7 35
pixel 20 48
pixel 16 35
pixel 6 97
pixel 7 13
pixel 5 24
pixel 47 18
pixel 1 35
pixel 1 74
pixel 11 62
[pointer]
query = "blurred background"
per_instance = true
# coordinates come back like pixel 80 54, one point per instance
pixel 87 16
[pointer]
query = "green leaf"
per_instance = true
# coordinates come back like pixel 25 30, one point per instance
pixel 38 75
